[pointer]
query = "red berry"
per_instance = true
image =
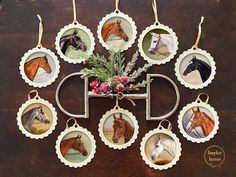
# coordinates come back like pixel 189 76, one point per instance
pixel 96 90
pixel 103 87
pixel 93 84
pixel 124 79
pixel 120 87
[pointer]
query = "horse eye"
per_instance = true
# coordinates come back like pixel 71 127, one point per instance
pixel 120 30
pixel 154 41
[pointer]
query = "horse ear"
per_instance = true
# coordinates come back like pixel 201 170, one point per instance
pixel 121 116
pixel 118 21
pixel 114 116
pixel 79 136
pixel 75 32
pixel 198 110
pixel 193 110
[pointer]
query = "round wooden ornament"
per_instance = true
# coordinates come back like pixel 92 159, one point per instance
pixel 117 31
pixel 158 44
pixel 198 121
pixel 118 128
pixel 39 67
pixel 160 148
pixel 36 118
pixel 75 146
pixel 74 41
pixel 195 68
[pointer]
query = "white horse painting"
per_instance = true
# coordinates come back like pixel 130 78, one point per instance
pixel 161 44
pixel 163 145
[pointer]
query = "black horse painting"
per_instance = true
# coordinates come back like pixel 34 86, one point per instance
pixel 72 40
pixel 202 67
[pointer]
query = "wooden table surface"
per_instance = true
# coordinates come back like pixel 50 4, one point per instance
pixel 23 157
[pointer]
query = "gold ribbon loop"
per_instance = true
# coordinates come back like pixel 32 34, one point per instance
pixel 74 12
pixel 154 7
pixel 117 5
pixel 199 33
pixel 39 45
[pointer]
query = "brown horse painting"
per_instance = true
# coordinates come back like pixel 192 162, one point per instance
pixel 73 143
pixel 114 28
pixel 31 67
pixel 201 119
pixel 121 128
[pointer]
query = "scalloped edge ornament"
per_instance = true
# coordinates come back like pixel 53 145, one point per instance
pixel 36 50
pixel 116 111
pixel 36 100
pixel 209 108
pixel 72 26
pixel 117 13
pixel 162 131
pixel 189 52
pixel 147 30
pixel 72 129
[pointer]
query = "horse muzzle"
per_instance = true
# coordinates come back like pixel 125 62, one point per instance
pixel 152 51
pixel 85 153
pixel 126 39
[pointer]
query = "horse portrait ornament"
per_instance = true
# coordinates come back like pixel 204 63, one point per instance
pixel 36 111
pixel 78 139
pixel 122 128
pixel 116 29
pixel 113 32
pixel 72 40
pixel 160 148
pixel 198 121
pixel 73 143
pixel 118 128
pixel 31 67
pixel 167 41
pixel 202 67
pixel 30 116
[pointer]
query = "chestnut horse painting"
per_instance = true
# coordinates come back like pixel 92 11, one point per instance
pixel 73 143
pixel 31 67
pixel 201 119
pixel 121 128
pixel 115 29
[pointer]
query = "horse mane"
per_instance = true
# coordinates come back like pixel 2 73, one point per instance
pixel 30 61
pixel 209 118
pixel 129 130
pixel 204 63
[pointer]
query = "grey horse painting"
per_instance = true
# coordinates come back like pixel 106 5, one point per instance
pixel 30 116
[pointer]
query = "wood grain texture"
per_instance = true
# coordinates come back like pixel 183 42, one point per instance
pixel 22 157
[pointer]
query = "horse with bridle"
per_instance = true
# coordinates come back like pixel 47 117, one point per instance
pixel 200 119
pixel 121 128
pixel 115 29
pixel 72 40
pixel 31 67
pixel 30 116
pixel 75 143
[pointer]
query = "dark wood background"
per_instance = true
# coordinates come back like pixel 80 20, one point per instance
pixel 23 157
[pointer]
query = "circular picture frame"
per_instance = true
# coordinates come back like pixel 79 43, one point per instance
pixel 158 26
pixel 115 112
pixel 36 100
pixel 206 106
pixel 194 51
pixel 117 14
pixel 47 52
pixel 76 128
pixel 170 134
pixel 74 26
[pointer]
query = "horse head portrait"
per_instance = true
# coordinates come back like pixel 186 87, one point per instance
pixel 202 67
pixel 75 143
pixel 158 41
pixel 72 40
pixel 34 114
pixel 115 29
pixel 163 145
pixel 200 119
pixel 121 128
pixel 31 67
